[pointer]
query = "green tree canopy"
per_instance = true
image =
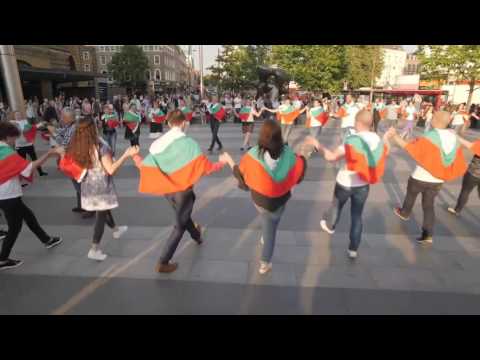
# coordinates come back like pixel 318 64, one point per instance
pixel 362 64
pixel 128 67
pixel 461 62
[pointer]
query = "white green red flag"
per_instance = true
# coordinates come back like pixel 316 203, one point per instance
pixel 11 164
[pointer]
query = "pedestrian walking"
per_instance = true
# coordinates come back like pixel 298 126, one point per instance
pixel 157 118
pixel 132 120
pixel 217 116
pixel 110 122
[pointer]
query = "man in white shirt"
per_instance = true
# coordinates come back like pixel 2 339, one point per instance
pixel 16 212
pixel 423 182
pixel 349 185
pixel 347 113
pixel 392 114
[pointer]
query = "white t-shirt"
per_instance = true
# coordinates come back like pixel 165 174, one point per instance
pixel 458 119
pixel 448 141
pixel 12 188
pixel 349 178
pixel 392 112
pixel 349 119
pixel 238 102
pixel 297 104
pixel 21 141
pixel 410 110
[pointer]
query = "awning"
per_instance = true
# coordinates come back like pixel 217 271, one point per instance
pixel 58 75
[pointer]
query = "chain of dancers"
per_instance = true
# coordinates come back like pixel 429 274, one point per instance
pixel 85 151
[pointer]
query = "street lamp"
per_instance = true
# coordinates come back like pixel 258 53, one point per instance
pixel 8 62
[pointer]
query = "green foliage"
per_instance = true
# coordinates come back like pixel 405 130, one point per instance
pixel 362 63
pixel 128 67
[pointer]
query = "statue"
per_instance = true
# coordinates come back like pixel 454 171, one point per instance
pixel 273 83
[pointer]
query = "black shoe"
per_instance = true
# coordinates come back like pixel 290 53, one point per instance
pixel 24 185
pixel 77 210
pixel 54 241
pixel 425 239
pixel 43 174
pixel 209 150
pixel 88 214
pixel 241 149
pixel 220 148
pixel 249 148
pixel 10 264
pixel 3 234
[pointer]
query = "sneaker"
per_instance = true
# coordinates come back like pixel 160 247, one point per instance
pixel 120 231
pixel 43 174
pixel 241 149
pixel 352 254
pixel 210 150
pixel 203 233
pixel 397 211
pixel 323 225
pixel 220 148
pixel 77 210
pixel 3 234
pixel 10 264
pixel 54 241
pixel 264 267
pixel 166 268
pixel 249 148
pixel 453 211
pixel 96 255
pixel 427 240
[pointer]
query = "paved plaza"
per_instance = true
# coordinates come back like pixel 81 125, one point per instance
pixel 311 271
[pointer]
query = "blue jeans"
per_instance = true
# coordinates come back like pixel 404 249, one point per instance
pixel 358 197
pixel 270 221
pixel 111 139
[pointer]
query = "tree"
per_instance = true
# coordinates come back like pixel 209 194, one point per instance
pixel 128 67
pixel 315 67
pixel 362 65
pixel 459 61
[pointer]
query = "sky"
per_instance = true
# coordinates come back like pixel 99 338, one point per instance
pixel 210 52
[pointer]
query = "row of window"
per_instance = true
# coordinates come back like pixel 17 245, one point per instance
pixel 169 75
pixel 116 48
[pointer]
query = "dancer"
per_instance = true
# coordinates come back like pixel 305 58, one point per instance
pixel 439 158
pixel 110 122
pixel 25 142
pixel 132 120
pixel 365 156
pixel 217 116
pixel 175 164
pixel 157 118
pixel 411 115
pixel 188 115
pixel 471 179
pixel 269 170
pixel 392 114
pixel 93 154
pixel 347 113
pixel 460 119
pixel 428 117
pixel 16 212
pixel 317 117
pixel 246 114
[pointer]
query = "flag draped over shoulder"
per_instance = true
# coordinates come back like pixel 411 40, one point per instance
pixel 318 114
pixel 245 113
pixel 29 132
pixel 218 112
pixel 132 120
pixel 71 169
pixel 367 163
pixel 11 164
pixel 428 153
pixel 187 112
pixel 287 114
pixel 267 182
pixel 111 120
pixel 158 116
pixel 175 169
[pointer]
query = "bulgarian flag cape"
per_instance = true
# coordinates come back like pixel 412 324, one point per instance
pixel 245 113
pixel 272 183
pixel 132 120
pixel 71 169
pixel 175 169
pixel 111 120
pixel 187 112
pixel 158 116
pixel 11 164
pixel 217 111
pixel 287 114
pixel 29 132
pixel 319 114
pixel 367 163
pixel 428 153
pixel 476 148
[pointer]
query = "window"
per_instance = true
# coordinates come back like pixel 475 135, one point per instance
pixel 103 60
pixel 86 67
pixel 156 60
pixel 156 47
pixel 144 47
pixel 150 48
pixel 86 55
pixel 148 75
pixel 102 49
pixel 157 74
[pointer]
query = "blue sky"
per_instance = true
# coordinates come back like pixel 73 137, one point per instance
pixel 210 53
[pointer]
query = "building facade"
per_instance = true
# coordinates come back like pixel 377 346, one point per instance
pixel 168 68
pixel 412 65
pixel 394 59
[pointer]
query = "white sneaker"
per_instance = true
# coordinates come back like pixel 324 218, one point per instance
pixel 264 267
pixel 323 225
pixel 121 230
pixel 96 255
pixel 261 241
pixel 452 210
pixel 352 254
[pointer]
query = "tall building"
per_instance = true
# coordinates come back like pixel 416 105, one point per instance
pixel 168 67
pixel 394 58
pixel 412 65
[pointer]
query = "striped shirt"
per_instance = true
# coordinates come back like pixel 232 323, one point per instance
pixel 64 134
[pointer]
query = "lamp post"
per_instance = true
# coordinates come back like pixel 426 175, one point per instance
pixel 200 53
pixel 13 85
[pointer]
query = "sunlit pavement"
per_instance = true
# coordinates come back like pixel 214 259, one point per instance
pixel 311 272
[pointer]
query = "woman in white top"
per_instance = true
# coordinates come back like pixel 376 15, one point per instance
pixel 248 123
pixel 459 119
pixel 428 118
pixel 16 212
pixel 411 115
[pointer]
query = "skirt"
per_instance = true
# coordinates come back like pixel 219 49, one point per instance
pixel 247 127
